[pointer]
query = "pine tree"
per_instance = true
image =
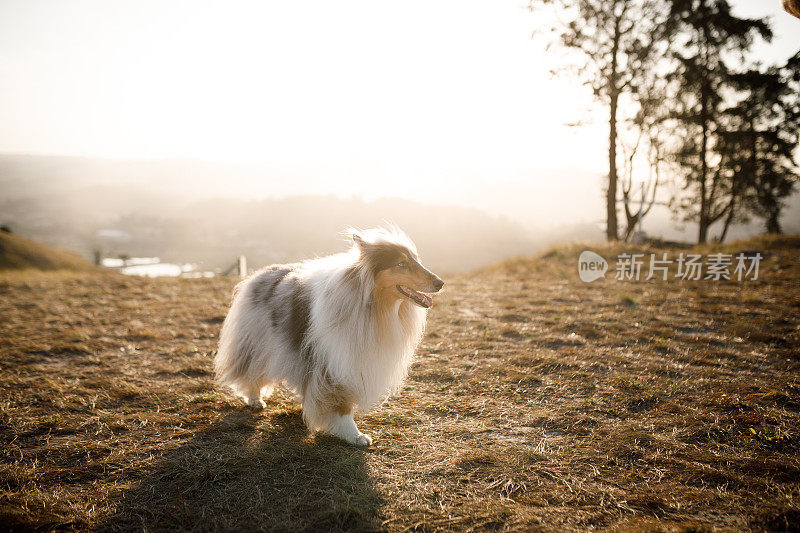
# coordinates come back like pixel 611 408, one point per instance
pixel 770 121
pixel 708 38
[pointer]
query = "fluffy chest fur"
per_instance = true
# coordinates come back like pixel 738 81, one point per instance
pixel 364 343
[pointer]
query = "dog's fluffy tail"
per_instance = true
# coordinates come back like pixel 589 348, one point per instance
pixel 234 356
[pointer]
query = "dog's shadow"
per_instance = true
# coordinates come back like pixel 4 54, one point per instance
pixel 249 473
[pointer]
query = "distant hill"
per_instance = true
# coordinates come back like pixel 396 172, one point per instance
pixel 19 253
pixel 210 213
pixel 185 212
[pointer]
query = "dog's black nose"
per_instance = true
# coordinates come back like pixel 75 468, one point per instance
pixel 438 283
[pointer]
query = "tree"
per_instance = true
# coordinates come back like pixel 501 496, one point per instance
pixel 765 134
pixel 709 37
pixel 617 39
pixel 743 124
pixel 647 149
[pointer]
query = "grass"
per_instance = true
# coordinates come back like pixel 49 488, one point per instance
pixel 537 402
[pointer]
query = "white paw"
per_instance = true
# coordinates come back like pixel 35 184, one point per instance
pixel 362 439
pixel 256 403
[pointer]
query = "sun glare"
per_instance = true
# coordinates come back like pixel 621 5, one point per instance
pixel 346 90
pixel 447 101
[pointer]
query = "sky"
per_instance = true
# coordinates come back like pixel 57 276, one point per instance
pixel 422 99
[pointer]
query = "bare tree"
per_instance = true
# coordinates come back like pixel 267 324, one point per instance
pixel 617 39
pixel 647 149
pixel 645 195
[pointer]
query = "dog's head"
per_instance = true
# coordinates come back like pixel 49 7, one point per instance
pixel 392 260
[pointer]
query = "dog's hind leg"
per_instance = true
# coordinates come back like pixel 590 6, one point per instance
pixel 254 393
pixel 267 391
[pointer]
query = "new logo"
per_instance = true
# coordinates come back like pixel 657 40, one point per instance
pixel 591 266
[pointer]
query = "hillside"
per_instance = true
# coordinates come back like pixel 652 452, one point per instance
pixel 537 402
pixel 20 253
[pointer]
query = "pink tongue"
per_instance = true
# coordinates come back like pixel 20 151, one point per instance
pixel 428 300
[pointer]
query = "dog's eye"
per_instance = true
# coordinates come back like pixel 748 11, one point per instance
pixel 401 264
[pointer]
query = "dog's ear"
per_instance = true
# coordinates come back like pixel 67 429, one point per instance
pixel 359 240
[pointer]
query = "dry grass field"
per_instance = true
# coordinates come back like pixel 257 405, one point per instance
pixel 537 403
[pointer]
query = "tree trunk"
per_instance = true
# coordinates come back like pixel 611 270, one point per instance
pixel 702 235
pixel 705 203
pixel 728 220
pixel 612 232
pixel 702 232
pixel 773 222
pixel 611 195
pixel 631 225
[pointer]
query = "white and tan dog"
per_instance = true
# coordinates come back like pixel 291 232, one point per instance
pixel 338 331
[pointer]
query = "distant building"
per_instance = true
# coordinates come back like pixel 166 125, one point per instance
pixel 113 235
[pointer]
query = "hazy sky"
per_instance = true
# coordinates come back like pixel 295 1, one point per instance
pixel 380 98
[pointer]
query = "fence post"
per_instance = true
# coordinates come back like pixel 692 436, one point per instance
pixel 242 266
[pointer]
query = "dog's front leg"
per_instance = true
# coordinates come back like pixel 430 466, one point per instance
pixel 344 427
pixel 328 408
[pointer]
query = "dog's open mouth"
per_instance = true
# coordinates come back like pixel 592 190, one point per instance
pixel 422 300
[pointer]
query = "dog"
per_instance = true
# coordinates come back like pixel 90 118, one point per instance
pixel 339 332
